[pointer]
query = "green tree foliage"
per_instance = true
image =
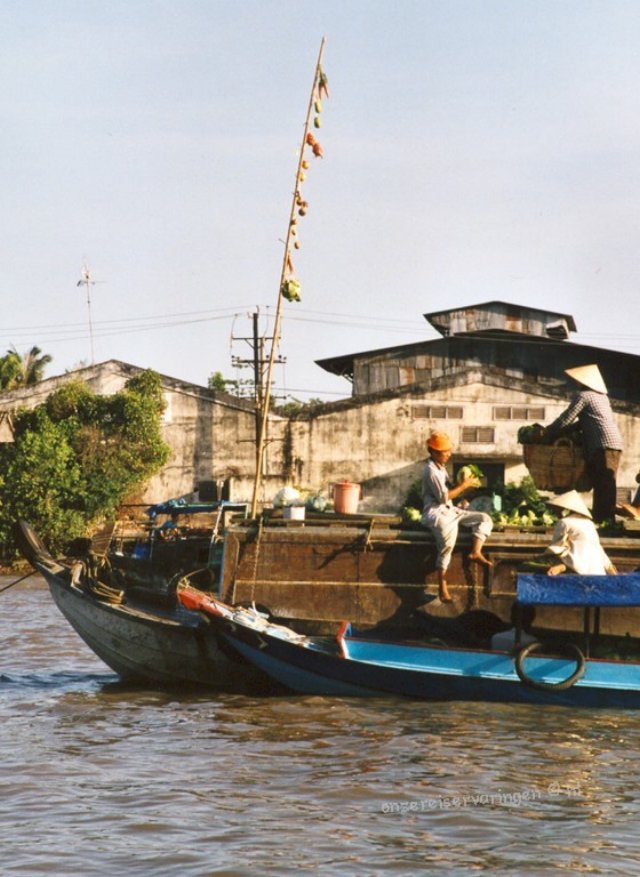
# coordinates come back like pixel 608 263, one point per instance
pixel 77 455
pixel 245 387
pixel 24 370
pixel 296 407
pixel 217 381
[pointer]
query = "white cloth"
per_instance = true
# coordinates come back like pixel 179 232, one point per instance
pixel 576 543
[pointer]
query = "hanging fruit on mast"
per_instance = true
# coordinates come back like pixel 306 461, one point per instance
pixel 290 288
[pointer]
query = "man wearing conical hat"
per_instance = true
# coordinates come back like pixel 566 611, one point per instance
pixel 575 541
pixel 601 437
pixel 442 517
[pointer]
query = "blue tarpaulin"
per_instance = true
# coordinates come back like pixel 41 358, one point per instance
pixel 572 590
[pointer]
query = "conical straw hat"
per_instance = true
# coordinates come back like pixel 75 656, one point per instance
pixel 572 501
pixel 589 376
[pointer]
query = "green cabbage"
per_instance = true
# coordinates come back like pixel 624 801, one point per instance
pixel 468 471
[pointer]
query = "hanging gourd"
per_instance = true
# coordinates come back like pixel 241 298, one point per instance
pixel 291 290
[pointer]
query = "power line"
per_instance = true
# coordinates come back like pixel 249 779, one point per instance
pixel 75 331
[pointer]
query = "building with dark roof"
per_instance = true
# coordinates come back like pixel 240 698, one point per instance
pixel 496 367
pixel 519 342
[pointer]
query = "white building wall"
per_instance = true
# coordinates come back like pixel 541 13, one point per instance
pixel 382 444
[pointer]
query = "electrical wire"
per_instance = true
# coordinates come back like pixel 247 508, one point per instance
pixel 67 332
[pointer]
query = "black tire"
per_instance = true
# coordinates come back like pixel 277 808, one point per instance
pixel 571 651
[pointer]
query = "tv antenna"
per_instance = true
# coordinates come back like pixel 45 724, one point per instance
pixel 87 281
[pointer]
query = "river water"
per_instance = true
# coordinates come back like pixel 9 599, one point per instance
pixel 101 778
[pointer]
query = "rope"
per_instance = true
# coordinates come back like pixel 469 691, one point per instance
pixel 255 557
pixel 17 581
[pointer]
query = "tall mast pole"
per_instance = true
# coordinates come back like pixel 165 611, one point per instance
pixel 266 395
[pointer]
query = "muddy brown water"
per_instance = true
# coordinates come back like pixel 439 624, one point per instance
pixel 102 778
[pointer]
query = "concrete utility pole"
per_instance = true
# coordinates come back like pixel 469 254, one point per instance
pixel 258 361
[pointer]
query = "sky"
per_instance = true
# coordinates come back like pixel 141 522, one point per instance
pixel 473 150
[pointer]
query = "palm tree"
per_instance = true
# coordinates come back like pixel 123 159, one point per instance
pixel 22 370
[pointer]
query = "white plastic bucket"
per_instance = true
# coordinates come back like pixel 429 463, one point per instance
pixel 293 513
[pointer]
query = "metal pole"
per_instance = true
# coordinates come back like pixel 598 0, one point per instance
pixel 257 379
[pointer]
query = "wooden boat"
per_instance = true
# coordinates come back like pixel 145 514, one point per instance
pixel 381 574
pixel 142 642
pixel 309 576
pixel 149 555
pixel 350 664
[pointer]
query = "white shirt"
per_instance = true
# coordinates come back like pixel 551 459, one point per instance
pixel 575 541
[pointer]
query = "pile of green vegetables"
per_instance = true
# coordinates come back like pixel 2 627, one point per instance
pixel 521 504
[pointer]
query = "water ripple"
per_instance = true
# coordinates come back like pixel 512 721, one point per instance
pixel 111 779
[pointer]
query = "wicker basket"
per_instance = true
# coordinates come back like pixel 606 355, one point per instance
pixel 557 467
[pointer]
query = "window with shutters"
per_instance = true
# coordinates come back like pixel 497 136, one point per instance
pixel 484 435
pixel 518 412
pixel 437 412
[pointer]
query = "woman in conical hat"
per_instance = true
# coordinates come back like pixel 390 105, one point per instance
pixel 570 502
pixel 589 376
pixel 442 517
pixel 575 541
pixel 601 437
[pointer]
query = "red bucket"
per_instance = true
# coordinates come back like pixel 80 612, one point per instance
pixel 346 496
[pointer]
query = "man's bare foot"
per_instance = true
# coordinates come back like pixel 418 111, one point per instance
pixel 478 557
pixel 444 595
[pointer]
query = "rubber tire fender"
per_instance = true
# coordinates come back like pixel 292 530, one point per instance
pixel 572 651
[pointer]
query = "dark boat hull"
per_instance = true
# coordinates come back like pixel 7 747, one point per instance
pixel 145 646
pixel 168 647
pixel 315 665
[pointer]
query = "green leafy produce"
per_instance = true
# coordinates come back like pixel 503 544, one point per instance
pixel 526 434
pixel 469 471
pixel 411 515
pixel 413 498
pixel 523 506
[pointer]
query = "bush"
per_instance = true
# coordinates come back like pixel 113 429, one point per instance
pixel 76 457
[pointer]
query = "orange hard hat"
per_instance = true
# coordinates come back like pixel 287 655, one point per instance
pixel 439 441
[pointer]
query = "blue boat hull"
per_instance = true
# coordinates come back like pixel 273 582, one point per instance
pixel 444 674
pixel 356 665
pixel 416 671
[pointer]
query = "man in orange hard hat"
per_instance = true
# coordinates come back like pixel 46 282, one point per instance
pixel 442 517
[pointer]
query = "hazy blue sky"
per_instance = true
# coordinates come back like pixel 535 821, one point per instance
pixel 474 150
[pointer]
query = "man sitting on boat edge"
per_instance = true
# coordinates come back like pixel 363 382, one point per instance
pixel 442 517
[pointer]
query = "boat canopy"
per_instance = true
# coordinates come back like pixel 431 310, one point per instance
pixel 182 507
pixel 574 590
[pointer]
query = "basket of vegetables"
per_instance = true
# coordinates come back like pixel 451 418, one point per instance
pixel 558 466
